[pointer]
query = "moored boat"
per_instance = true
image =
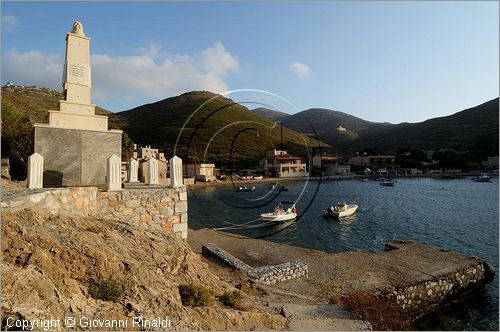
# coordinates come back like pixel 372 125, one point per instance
pixel 280 214
pixel 341 210
pixel 482 178
pixel 279 187
pixel 244 189
pixel 386 183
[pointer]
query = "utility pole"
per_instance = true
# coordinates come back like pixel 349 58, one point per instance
pixel 281 136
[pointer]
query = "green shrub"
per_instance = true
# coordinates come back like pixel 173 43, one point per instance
pixel 107 290
pixel 230 298
pixel 194 295
pixel 382 315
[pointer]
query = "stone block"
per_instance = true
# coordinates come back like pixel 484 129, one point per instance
pixel 168 211
pixel 175 164
pixel 133 169
pixel 167 227
pixel 74 157
pixel 113 174
pixel 181 206
pixel 35 198
pixel 146 218
pixel 180 227
pixel 133 203
pixel 35 171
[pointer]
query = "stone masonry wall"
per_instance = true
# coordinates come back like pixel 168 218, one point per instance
pixel 267 275
pixel 419 298
pixel 154 209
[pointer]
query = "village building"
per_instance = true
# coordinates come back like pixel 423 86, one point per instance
pixel 379 165
pixel 202 172
pixel 142 154
pixel 147 152
pixel 284 165
pixel 492 162
pixel 331 164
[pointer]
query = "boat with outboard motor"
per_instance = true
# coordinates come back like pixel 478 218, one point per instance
pixel 281 213
pixel 340 210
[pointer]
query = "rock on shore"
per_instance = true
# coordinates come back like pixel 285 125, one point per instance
pixel 49 264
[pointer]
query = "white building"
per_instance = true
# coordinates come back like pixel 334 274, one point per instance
pixel 147 152
pixel 492 162
pixel 203 172
pixel 284 165
pixel 142 154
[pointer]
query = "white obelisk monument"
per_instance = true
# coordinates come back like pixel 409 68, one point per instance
pixel 76 142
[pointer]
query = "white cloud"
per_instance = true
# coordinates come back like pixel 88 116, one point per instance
pixel 33 68
pixel 150 74
pixel 300 69
pixel 10 22
pixel 218 60
pixel 153 50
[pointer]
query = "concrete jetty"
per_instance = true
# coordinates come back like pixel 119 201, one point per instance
pixel 417 278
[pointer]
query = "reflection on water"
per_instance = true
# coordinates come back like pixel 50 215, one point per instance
pixel 459 215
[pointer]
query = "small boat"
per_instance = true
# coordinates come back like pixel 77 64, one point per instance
pixel 386 183
pixel 244 189
pixel 482 178
pixel 280 214
pixel 258 177
pixel 279 187
pixel 340 210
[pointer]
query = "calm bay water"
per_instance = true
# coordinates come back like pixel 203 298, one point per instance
pixel 459 215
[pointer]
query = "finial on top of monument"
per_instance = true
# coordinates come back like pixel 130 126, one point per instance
pixel 78 28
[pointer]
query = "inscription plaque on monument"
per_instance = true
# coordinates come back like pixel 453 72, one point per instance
pixel 77 74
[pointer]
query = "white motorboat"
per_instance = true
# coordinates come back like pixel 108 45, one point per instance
pixel 341 210
pixel 482 178
pixel 386 183
pixel 244 189
pixel 279 214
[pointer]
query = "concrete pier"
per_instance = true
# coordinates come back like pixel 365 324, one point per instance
pixel 417 278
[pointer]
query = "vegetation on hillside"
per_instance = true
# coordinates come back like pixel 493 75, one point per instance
pixel 382 315
pixel 270 114
pixel 474 130
pixel 223 129
pixel 24 106
pixel 16 130
pixel 410 157
pixel 107 290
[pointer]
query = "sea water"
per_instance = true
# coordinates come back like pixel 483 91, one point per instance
pixel 458 215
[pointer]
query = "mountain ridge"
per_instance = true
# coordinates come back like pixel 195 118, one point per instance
pixel 217 129
pixel 463 129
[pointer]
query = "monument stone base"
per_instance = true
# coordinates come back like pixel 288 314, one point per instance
pixel 75 157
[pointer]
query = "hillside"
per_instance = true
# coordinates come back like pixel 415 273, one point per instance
pixel 325 122
pixel 24 106
pixel 51 265
pixel 270 114
pixel 473 129
pixel 214 128
pixel 36 101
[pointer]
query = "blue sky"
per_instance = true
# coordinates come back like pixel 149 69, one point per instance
pixel 381 61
